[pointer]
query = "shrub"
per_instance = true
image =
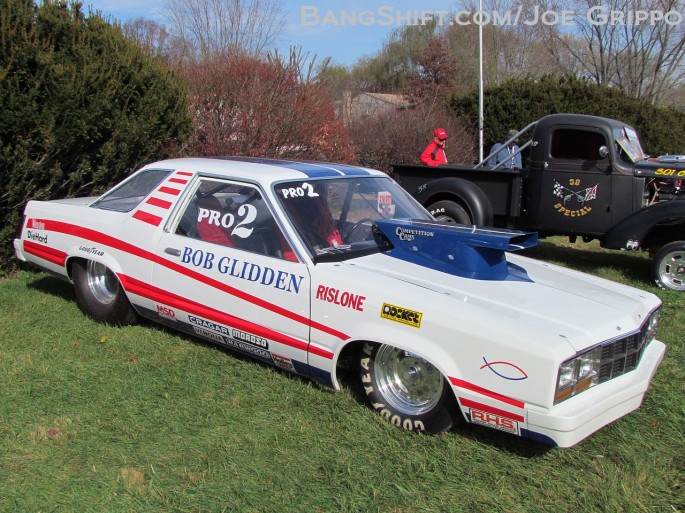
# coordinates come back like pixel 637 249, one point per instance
pixel 82 107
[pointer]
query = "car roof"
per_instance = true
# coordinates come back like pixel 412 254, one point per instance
pixel 262 169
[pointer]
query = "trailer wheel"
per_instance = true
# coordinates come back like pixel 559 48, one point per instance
pixel 669 266
pixel 450 211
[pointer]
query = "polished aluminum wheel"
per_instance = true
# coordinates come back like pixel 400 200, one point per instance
pixel 409 383
pixel 102 283
pixel 671 272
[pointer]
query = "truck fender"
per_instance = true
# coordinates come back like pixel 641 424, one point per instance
pixel 460 191
pixel 640 229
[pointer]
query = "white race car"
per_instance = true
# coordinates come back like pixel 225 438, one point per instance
pixel 312 267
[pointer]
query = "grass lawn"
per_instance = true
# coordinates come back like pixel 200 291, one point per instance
pixel 139 419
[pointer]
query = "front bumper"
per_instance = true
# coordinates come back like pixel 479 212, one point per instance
pixel 568 423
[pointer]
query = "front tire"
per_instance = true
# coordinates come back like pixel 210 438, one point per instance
pixel 405 389
pixel 668 266
pixel 450 211
pixel 100 295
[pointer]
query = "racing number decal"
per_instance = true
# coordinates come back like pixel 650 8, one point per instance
pixel 247 214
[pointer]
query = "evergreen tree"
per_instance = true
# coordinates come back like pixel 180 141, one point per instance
pixel 82 107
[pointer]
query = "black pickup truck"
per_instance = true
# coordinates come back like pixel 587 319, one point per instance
pixel 585 176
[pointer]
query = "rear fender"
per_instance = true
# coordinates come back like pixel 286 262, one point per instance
pixel 463 192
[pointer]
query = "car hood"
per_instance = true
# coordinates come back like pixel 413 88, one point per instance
pixel 475 266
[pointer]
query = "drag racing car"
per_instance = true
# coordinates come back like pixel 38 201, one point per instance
pixel 316 267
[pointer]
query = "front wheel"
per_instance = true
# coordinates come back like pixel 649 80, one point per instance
pixel 99 294
pixel 450 211
pixel 405 389
pixel 669 266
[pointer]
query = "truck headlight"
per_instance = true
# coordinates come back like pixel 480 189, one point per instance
pixel 578 374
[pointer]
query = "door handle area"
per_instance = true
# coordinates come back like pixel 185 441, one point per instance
pixel 172 251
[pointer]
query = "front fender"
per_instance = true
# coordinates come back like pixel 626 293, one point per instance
pixel 640 229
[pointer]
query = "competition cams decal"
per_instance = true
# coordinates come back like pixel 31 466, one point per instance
pixel 574 200
pixel 401 315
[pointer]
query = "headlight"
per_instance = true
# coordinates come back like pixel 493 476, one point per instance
pixel 578 374
pixel 651 326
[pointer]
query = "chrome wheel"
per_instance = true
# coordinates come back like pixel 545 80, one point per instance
pixel 409 383
pixel 670 266
pixel 102 282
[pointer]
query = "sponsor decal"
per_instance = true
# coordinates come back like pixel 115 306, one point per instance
pixel 36 224
pixel 91 250
pixel 283 362
pixel 484 418
pixel 341 298
pixel 166 312
pixel 250 339
pixel 243 270
pixel 409 234
pixel 401 315
pixel 385 204
pixel 506 370
pixel 574 200
pixel 37 237
pixel 244 342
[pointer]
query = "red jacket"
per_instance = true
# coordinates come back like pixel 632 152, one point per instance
pixel 433 155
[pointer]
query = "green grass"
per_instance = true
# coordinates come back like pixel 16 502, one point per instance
pixel 101 419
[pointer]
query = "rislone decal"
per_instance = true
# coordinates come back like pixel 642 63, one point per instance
pixel 113 242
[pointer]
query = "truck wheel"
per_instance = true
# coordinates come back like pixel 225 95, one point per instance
pixel 669 266
pixel 450 211
pixel 99 294
pixel 405 389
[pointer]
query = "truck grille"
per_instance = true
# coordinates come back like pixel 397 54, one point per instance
pixel 621 356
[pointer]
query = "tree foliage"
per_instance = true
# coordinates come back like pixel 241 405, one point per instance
pixel 82 106
pixel 517 103
pixel 245 105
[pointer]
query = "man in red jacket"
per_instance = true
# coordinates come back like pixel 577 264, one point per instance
pixel 434 154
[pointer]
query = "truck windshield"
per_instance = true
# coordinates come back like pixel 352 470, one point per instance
pixel 628 144
pixel 335 217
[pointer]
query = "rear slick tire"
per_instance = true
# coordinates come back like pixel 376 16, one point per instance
pixel 405 389
pixel 100 295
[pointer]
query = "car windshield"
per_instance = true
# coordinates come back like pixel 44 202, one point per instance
pixel 335 217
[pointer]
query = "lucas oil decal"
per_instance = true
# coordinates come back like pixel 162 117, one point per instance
pixel 401 315
pixel 574 198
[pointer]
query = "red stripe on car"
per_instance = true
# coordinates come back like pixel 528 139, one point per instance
pixel 50 254
pixel 488 393
pixel 148 218
pixel 108 240
pixel 489 409
pixel 169 190
pixel 159 203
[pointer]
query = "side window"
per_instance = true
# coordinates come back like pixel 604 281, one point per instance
pixel 572 144
pixel 130 193
pixel 233 215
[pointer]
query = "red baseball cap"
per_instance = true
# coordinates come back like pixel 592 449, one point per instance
pixel 440 133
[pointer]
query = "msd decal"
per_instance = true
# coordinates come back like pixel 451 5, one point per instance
pixel 166 312
pixel 341 298
pixel 574 200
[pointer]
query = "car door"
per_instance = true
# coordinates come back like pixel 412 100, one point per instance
pixel 574 184
pixel 226 273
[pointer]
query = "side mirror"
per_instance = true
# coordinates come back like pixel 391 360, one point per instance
pixel 603 151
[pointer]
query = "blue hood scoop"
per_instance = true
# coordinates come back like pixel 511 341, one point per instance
pixel 467 251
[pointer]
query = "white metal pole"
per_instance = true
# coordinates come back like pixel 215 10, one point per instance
pixel 481 121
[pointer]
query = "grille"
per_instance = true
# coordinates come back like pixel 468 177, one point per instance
pixel 622 355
